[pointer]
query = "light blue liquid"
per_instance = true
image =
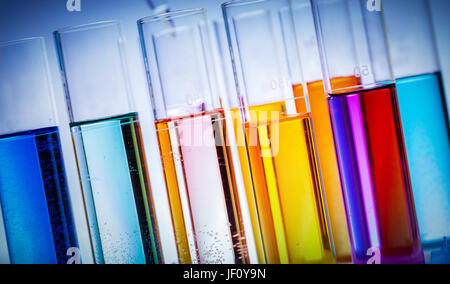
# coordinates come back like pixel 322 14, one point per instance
pixel 425 126
pixel 113 174
pixel 34 198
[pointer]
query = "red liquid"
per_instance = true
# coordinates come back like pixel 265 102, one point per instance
pixel 375 176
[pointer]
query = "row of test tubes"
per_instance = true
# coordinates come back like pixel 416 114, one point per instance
pixel 291 132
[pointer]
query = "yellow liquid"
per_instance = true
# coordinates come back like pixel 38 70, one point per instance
pixel 328 160
pixel 286 186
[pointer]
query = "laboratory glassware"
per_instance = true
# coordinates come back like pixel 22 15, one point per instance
pixel 229 97
pixel 193 140
pixel 108 144
pixel 312 72
pixel 424 114
pixel 368 133
pixel 276 129
pixel 34 195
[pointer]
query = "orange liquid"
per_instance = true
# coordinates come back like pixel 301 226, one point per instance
pixel 184 255
pixel 208 228
pixel 328 159
pixel 285 186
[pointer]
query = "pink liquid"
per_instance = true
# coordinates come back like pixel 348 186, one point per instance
pixel 204 177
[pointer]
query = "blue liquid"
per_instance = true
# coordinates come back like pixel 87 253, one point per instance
pixel 112 168
pixel 441 256
pixel 34 198
pixel 425 126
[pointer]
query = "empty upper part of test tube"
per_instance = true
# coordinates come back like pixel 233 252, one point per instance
pixel 411 37
pixel 94 71
pixel 225 67
pixel 265 51
pixel 352 42
pixel 26 96
pixel 179 62
pixel 307 40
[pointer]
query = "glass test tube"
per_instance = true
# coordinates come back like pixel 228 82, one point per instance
pixel 108 145
pixel 231 105
pixel 367 132
pixel 424 114
pixel 34 195
pixel 192 134
pixel 312 72
pixel 278 134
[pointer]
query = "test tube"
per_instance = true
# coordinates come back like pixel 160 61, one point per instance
pixel 192 134
pixel 34 195
pixel 424 114
pixel 312 72
pixel 278 134
pixel 231 105
pixel 368 133
pixel 108 144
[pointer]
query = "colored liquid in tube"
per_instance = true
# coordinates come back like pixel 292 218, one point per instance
pixel 112 167
pixel 328 160
pixel 35 198
pixel 286 184
pixel 244 161
pixel 202 190
pixel 375 176
pixel 425 126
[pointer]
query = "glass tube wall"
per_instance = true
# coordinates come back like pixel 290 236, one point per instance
pixel 368 133
pixel 274 123
pixel 424 114
pixel 193 140
pixel 312 72
pixel 230 103
pixel 108 144
pixel 34 196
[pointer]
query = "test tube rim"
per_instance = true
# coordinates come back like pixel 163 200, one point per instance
pixel 87 27
pixel 237 3
pixel 22 40
pixel 173 15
